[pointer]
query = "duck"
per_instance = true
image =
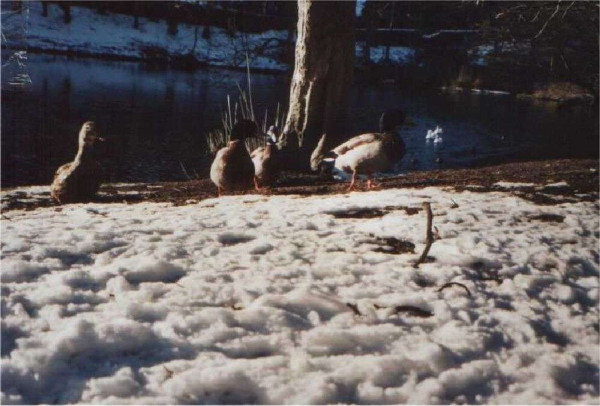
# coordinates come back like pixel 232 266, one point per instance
pixel 435 135
pixel 371 152
pixel 79 181
pixel 233 169
pixel 265 161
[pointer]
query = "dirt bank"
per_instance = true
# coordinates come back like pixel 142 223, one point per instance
pixel 569 180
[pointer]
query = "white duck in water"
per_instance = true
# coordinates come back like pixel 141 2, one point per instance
pixel 435 135
pixel 79 180
pixel 372 152
pixel 232 168
pixel 266 165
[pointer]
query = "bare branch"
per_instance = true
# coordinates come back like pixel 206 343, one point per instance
pixel 429 236
pixel 413 311
pixel 184 171
pixel 354 309
pixel 551 17
pixel 565 13
pixel 449 284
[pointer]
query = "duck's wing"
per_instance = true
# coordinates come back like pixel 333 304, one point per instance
pixel 232 166
pixel 356 142
pixel 218 166
pixel 258 153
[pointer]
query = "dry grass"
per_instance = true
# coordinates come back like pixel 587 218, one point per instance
pixel 243 109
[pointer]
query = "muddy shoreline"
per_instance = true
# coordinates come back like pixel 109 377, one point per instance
pixel 569 180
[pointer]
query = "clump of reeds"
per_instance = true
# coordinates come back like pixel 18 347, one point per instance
pixel 242 109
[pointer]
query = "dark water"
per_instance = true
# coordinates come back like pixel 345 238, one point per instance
pixel 155 120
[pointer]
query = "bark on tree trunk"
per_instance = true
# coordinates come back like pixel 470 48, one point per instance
pixel 323 69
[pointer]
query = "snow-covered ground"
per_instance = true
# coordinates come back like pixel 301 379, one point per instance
pixel 113 34
pixel 243 300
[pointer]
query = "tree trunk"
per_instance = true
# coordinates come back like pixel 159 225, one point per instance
pixel 323 69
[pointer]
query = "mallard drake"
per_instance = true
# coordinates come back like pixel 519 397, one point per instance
pixel 232 168
pixel 372 152
pixel 79 180
pixel 266 165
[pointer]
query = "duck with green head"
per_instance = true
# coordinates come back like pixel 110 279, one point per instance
pixel 372 152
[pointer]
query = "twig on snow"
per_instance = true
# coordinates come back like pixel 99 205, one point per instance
pixel 413 311
pixel 429 236
pixel 354 309
pixel 169 372
pixel 450 284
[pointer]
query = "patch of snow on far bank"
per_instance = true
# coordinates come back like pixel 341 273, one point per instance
pixel 113 34
pixel 243 300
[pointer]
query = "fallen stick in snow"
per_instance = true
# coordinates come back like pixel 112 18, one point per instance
pixel 449 284
pixel 429 236
pixel 412 310
pixel 169 372
pixel 354 309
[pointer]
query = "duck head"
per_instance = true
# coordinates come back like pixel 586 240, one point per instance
pixel 88 135
pixel 391 119
pixel 243 129
pixel 272 135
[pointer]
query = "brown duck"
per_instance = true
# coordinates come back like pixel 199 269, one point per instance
pixel 232 169
pixel 79 180
pixel 266 162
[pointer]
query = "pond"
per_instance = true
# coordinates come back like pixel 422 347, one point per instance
pixel 155 120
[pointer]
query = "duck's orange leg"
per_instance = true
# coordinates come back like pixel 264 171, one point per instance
pixel 370 184
pixel 220 191
pixel 353 182
pixel 256 184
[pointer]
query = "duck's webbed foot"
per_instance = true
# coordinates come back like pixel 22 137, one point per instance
pixel 372 185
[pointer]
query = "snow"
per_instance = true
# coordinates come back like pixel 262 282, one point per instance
pixel 481 54
pixel 113 34
pixel 242 299
pixel 514 185
pixel 360 6
pixel 398 55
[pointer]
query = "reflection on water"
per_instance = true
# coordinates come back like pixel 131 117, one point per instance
pixel 155 120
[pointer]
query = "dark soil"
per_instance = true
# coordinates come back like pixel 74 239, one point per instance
pixel 548 218
pixel 581 175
